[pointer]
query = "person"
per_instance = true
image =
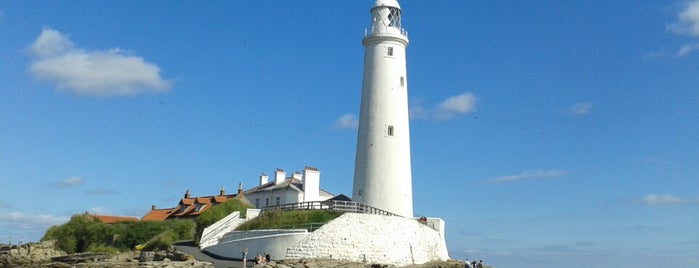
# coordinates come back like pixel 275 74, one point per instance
pixel 468 264
pixel 245 257
pixel 258 260
pixel 423 220
pixel 480 264
pixel 267 257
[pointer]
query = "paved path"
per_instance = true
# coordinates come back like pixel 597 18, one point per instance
pixel 189 248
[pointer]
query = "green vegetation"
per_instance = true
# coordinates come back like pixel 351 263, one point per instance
pixel 86 233
pixel 290 219
pixel 218 212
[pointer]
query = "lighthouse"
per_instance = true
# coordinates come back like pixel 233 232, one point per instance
pixel 382 169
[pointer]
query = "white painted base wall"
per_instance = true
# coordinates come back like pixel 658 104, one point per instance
pixel 374 239
pixel 275 242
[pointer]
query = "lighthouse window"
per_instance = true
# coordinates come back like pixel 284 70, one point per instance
pixel 402 81
pixel 389 51
pixel 394 18
pixel 390 131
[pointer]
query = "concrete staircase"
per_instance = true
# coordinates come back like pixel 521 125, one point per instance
pixel 212 234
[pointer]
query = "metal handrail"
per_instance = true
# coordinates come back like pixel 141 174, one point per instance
pixel 333 205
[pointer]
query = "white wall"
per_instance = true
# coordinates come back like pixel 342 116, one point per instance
pixel 382 171
pixel 311 185
pixel 273 241
pixel 374 238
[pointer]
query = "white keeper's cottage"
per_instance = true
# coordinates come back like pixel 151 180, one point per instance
pixel 299 187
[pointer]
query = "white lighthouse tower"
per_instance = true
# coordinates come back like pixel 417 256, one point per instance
pixel 382 171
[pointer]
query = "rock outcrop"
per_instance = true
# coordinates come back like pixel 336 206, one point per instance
pixel 28 254
pixel 45 254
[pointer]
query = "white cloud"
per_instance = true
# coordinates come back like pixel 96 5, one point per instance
pixel 69 182
pixel 687 24
pixel 581 108
pixel 29 220
pixel 687 49
pixel 687 20
pixel 527 175
pixel 418 112
pixel 654 200
pixel 348 121
pixel 461 104
pixel 113 72
pixel 449 108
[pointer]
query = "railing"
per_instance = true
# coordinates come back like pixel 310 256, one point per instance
pixel 385 29
pixel 257 234
pixel 212 233
pixel 344 206
pixel 310 227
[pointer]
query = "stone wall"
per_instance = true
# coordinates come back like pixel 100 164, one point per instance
pixel 373 239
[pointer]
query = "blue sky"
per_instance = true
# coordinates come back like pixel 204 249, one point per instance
pixel 545 133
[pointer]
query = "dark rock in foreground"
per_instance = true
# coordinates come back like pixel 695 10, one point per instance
pixel 45 254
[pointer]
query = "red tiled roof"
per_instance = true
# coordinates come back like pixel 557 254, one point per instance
pixel 157 214
pixel 191 207
pixel 114 219
pixel 183 212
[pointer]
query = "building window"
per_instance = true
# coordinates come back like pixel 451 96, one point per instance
pixel 389 131
pixel 278 200
pixel 266 202
pixel 257 202
pixel 389 51
pixel 402 81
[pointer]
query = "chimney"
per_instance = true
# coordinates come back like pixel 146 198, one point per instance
pixel 223 191
pixel 279 176
pixel 152 207
pixel 186 194
pixel 311 184
pixel 298 176
pixel 240 189
pixel 264 179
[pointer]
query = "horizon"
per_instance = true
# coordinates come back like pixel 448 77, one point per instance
pixel 545 134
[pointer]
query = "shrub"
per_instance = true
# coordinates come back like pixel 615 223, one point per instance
pixel 85 233
pixel 79 234
pixel 297 219
pixel 161 241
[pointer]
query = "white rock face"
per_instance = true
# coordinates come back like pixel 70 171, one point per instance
pixel 374 239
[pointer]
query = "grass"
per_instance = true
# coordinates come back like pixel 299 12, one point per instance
pixel 297 219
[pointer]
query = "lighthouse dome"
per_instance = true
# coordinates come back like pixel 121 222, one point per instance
pixel 387 3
